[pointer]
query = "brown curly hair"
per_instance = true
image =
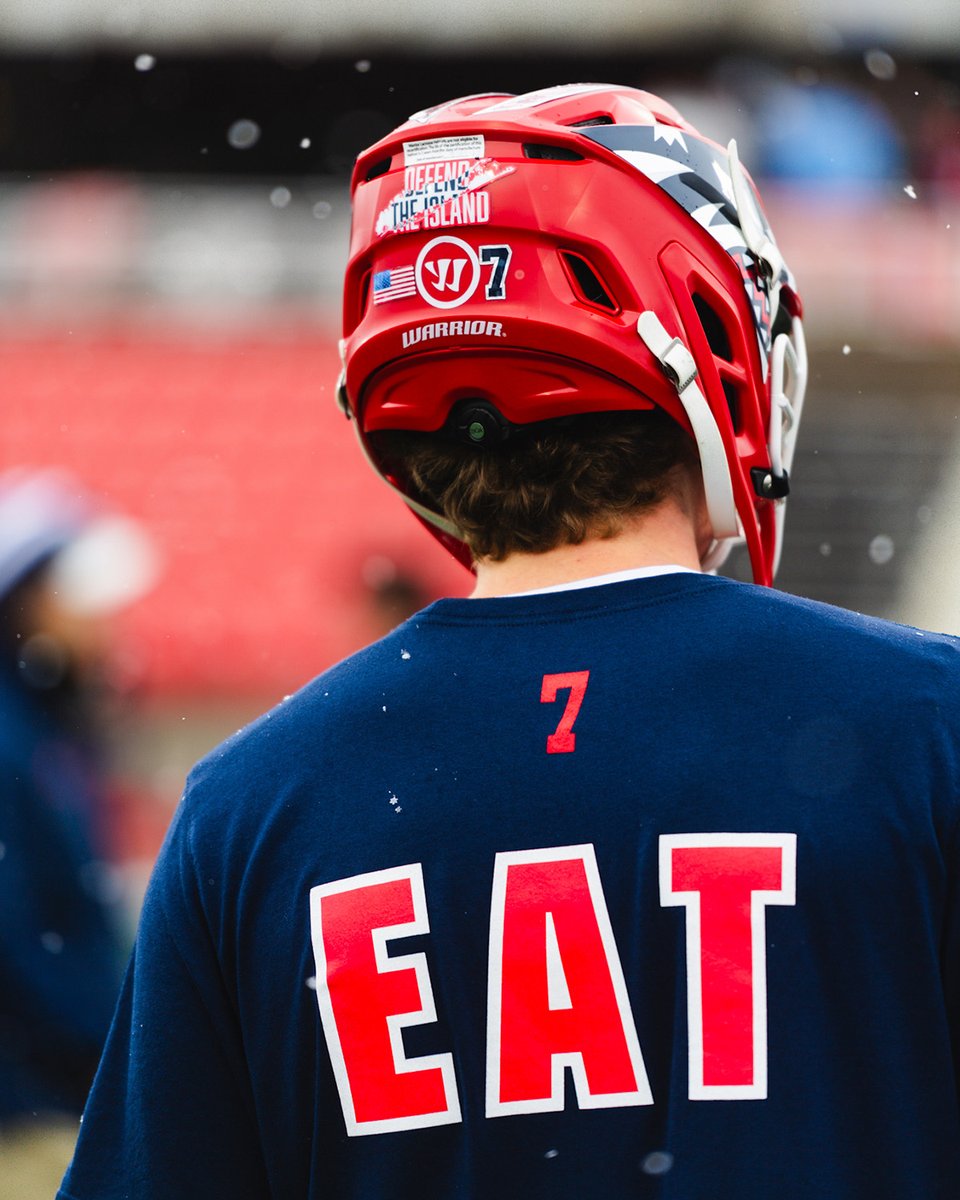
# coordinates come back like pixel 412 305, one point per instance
pixel 556 483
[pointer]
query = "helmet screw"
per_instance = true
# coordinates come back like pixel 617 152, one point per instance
pixel 476 431
pixel 767 484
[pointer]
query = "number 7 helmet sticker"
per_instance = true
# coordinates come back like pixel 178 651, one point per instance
pixel 448 272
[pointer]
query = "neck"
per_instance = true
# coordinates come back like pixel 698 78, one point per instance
pixel 664 535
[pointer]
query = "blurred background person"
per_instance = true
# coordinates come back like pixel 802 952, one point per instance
pixel 66 567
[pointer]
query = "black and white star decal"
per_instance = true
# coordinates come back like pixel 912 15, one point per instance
pixel 696 174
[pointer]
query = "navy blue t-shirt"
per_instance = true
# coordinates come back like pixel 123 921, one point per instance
pixel 643 890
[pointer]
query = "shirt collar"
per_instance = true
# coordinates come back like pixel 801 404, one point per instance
pixel 610 577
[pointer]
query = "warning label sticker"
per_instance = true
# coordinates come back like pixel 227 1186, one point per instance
pixel 467 145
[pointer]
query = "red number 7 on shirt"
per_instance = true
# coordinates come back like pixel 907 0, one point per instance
pixel 563 740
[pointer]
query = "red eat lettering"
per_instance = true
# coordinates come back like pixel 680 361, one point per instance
pixel 557 996
pixel 556 992
pixel 367 998
pixel 725 881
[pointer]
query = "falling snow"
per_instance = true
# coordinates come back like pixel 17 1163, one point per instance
pixel 659 1162
pixel 243 134
pixel 911 191
pixel 880 64
pixel 881 549
pixel 144 62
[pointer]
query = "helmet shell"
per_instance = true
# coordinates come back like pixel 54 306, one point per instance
pixel 503 248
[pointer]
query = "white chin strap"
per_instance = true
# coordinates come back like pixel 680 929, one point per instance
pixel 679 365
pixel 788 381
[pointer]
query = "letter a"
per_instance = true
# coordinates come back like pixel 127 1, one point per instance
pixel 556 993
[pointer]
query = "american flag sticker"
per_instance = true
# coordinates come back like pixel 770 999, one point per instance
pixel 393 284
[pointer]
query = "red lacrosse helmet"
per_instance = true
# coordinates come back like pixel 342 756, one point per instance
pixel 578 249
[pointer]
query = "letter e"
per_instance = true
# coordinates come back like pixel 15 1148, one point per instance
pixel 367 998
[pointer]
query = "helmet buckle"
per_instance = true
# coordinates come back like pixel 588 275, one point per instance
pixel 478 423
pixel 768 485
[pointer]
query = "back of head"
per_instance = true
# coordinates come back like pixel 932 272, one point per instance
pixel 522 266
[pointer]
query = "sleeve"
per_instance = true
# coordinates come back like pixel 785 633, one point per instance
pixel 171 1111
pixel 949 788
pixel 950 956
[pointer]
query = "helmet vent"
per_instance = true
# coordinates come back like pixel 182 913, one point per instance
pixel 603 120
pixel 717 338
pixel 732 395
pixel 378 169
pixel 551 153
pixel 587 285
pixel 354 310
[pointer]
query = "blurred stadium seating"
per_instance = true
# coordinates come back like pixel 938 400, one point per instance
pixel 173 226
pixel 276 536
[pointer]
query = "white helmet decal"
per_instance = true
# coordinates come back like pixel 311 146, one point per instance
pixel 713 189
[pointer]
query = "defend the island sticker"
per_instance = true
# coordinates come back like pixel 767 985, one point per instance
pixel 437 195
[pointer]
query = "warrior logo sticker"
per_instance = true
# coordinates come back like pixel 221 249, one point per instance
pixel 448 271
pixel 446 274
pixel 437 195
